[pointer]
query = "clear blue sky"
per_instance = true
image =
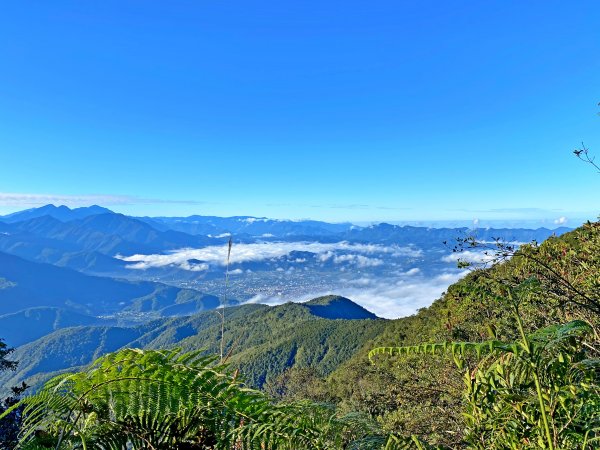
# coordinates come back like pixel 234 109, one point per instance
pixel 337 110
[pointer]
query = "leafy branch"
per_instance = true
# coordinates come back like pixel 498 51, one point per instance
pixel 500 251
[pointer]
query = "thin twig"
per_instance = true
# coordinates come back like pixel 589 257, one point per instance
pixel 584 155
pixel 225 299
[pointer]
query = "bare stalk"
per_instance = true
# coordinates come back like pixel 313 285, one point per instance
pixel 222 313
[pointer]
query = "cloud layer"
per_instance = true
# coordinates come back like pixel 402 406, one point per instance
pixel 561 220
pixel 470 256
pixel 386 297
pixel 338 252
pixel 16 199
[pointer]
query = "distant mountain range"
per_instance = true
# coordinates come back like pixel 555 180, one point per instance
pixel 193 225
pixel 88 239
pixel 384 233
pixel 246 225
pixel 83 240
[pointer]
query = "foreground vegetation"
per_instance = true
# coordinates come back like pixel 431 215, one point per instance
pixel 517 361
pixel 259 340
pixel 174 400
pixel 507 359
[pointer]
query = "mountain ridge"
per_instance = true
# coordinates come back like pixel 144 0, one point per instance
pixel 257 335
pixel 30 284
pixel 61 212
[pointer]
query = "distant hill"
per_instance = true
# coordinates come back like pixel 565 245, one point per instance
pixel 25 284
pixel 33 323
pixel 262 340
pixel 337 307
pixel 65 348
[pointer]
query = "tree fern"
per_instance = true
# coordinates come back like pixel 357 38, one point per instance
pixel 160 400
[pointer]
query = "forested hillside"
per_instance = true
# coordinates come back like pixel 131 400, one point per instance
pixel 25 284
pixel 554 283
pixel 262 341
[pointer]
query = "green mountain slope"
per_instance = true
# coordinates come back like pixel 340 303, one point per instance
pixel 262 341
pixel 423 395
pixel 25 284
pixel 33 323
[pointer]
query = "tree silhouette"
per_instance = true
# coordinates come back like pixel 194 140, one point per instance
pixel 9 428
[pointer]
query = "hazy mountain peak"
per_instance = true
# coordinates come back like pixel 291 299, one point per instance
pixel 92 210
pixel 61 212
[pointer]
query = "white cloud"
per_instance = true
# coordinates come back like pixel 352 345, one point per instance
pixel 561 220
pixel 364 281
pixel 20 200
pixel 386 297
pixel 240 253
pixel 326 256
pixel 358 260
pixel 470 257
pixel 194 267
pixel 266 300
pixel 254 219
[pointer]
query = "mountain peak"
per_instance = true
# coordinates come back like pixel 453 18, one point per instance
pixel 337 307
pixel 92 210
pixel 61 212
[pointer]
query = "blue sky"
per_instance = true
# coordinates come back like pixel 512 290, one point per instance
pixel 353 110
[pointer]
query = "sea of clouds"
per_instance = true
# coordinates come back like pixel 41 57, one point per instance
pixel 386 297
pixel 363 255
pixel 393 295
